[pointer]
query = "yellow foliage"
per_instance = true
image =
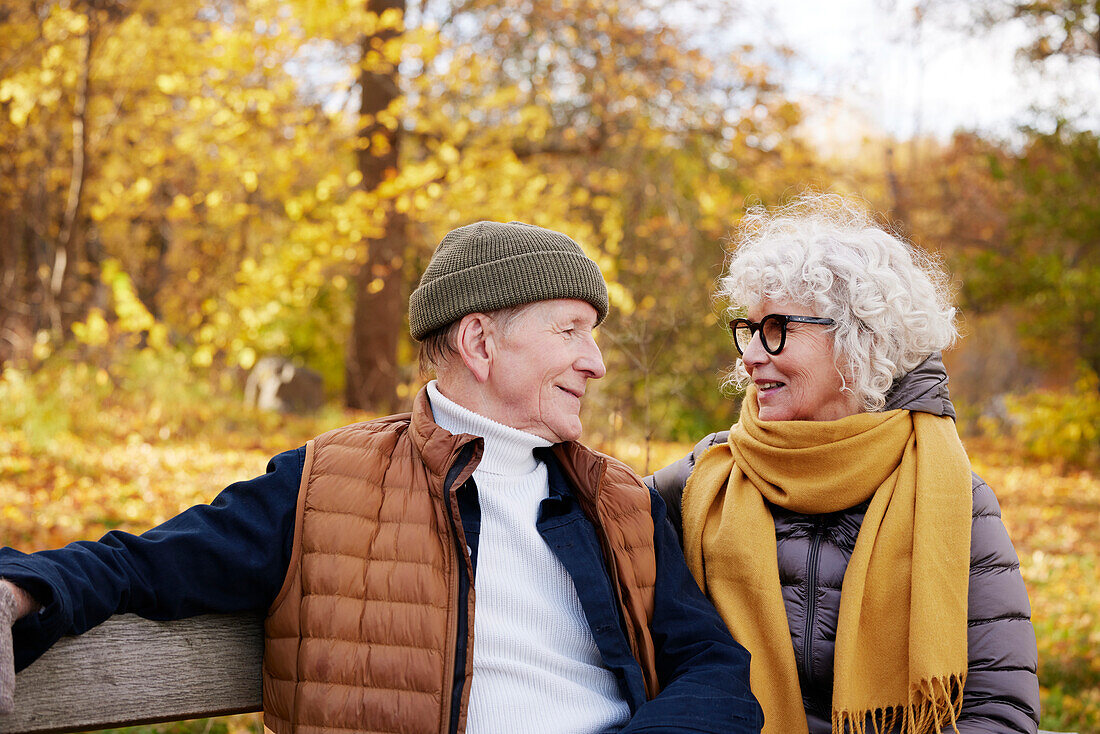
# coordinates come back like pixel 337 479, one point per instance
pixel 94 330
pixel 1060 426
pixel 19 100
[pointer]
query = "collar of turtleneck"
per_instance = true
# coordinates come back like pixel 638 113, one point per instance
pixel 507 450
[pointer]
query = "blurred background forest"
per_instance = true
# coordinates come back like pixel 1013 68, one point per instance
pixel 188 187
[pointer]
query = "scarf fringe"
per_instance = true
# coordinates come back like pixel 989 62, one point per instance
pixel 933 705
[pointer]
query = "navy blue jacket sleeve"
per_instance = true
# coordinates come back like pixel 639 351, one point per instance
pixel 704 673
pixel 228 556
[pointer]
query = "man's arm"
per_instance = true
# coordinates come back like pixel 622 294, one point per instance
pixel 230 555
pixel 704 673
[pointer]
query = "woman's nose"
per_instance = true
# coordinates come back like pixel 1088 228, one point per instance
pixel 755 353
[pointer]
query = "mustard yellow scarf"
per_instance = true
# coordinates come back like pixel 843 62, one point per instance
pixel 901 653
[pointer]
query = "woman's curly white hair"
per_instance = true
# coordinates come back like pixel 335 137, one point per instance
pixel 891 302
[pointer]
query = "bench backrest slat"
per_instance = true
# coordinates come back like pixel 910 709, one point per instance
pixel 131 670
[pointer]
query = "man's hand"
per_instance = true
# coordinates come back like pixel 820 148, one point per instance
pixel 14 603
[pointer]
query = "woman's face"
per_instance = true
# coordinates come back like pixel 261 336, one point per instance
pixel 801 383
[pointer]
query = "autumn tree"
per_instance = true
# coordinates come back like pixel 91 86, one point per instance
pixel 367 37
pixel 1042 262
pixel 168 138
pixel 43 240
pixel 1048 263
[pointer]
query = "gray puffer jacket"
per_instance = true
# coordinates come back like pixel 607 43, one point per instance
pixel 1002 690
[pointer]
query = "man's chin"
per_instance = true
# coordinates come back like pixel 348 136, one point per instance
pixel 569 433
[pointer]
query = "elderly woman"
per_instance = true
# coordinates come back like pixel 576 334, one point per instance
pixel 837 526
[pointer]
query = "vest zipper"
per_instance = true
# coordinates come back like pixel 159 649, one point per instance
pixel 460 624
pixel 452 631
pixel 811 598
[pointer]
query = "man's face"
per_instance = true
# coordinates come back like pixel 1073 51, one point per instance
pixel 543 361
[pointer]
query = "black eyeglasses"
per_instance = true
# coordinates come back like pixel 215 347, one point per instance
pixel 772 328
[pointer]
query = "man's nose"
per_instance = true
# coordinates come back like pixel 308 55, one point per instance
pixel 592 361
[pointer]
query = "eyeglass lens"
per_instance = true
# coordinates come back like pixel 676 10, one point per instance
pixel 742 335
pixel 771 332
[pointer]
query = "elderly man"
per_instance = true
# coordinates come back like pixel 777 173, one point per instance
pixel 467 566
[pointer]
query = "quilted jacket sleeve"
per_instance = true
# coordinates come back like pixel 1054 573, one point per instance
pixel 1002 689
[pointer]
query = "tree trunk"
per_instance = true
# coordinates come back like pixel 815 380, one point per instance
pixel 371 372
pixel 70 222
pixel 900 208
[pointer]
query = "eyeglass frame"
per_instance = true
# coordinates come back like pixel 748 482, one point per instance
pixel 784 319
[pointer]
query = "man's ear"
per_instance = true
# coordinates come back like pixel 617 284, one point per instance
pixel 476 343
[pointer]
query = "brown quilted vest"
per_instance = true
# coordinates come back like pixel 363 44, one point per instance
pixel 362 635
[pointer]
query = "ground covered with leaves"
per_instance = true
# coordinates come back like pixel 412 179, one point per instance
pixel 1053 517
pixel 86 450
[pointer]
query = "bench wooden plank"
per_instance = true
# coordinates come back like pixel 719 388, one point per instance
pixel 131 670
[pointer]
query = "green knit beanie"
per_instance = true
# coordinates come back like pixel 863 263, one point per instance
pixel 487 266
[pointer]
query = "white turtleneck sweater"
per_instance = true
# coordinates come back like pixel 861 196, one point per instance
pixel 536 664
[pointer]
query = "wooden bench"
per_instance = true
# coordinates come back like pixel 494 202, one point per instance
pixel 131 670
